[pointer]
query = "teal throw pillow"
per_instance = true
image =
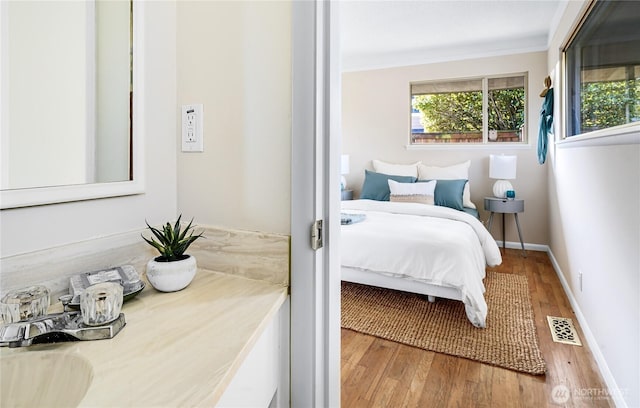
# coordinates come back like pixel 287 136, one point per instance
pixel 448 193
pixel 376 185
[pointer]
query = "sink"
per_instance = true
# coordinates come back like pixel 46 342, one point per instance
pixel 38 379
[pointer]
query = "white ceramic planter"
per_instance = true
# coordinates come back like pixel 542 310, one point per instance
pixel 171 276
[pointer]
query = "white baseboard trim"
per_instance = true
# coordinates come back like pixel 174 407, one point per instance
pixel 610 382
pixel 527 246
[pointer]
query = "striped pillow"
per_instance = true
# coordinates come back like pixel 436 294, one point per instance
pixel 421 193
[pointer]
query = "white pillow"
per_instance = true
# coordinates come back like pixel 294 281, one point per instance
pixel 396 169
pixel 455 172
pixel 412 192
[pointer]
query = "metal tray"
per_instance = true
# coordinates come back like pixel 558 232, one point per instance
pixel 125 275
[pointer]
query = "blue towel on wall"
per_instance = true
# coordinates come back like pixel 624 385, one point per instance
pixel 546 125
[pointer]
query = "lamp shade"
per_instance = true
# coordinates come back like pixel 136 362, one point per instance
pixel 344 164
pixel 502 167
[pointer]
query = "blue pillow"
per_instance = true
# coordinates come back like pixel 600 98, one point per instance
pixel 376 185
pixel 448 193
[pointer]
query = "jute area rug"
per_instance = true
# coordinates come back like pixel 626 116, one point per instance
pixel 508 341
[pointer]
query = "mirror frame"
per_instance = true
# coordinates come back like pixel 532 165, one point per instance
pixel 29 197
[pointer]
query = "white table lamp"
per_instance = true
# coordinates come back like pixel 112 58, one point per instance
pixel 344 169
pixel 502 168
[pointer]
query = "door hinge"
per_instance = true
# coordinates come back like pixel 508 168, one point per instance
pixel 316 235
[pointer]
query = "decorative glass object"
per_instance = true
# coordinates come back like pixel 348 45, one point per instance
pixel 101 303
pixel 24 304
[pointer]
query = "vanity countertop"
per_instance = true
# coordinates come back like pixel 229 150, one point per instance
pixel 177 349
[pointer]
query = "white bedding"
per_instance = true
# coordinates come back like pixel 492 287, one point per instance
pixel 425 243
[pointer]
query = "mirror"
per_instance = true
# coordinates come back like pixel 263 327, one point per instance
pixel 67 98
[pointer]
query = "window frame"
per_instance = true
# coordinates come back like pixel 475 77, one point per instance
pixel 524 142
pixel 626 132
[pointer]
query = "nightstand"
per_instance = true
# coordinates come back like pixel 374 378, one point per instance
pixel 347 195
pixel 505 206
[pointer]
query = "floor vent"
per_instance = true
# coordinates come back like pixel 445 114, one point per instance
pixel 562 330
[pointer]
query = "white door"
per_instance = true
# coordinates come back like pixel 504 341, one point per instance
pixel 315 195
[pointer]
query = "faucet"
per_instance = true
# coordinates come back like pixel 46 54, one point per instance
pixel 57 327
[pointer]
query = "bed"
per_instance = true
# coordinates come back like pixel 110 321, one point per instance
pixel 432 250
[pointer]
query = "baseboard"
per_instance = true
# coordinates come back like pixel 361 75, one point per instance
pixel 610 382
pixel 527 246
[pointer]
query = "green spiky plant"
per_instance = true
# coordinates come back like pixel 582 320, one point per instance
pixel 172 241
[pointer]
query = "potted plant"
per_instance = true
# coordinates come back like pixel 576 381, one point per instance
pixel 173 270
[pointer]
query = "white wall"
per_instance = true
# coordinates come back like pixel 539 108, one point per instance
pixel 235 59
pixel 594 216
pixel 375 125
pixel 29 229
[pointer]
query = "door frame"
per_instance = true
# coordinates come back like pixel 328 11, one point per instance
pixel 315 194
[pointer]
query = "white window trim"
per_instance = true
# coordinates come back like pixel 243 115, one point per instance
pixel 471 146
pixel 627 134
pixel 524 144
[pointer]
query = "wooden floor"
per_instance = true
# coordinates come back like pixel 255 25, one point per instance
pixel 382 373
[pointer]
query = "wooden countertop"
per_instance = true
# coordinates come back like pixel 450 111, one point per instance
pixel 177 349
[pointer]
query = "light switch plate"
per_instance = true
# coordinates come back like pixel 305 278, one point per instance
pixel 192 140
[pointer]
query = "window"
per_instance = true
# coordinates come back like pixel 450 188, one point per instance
pixel 480 110
pixel 602 64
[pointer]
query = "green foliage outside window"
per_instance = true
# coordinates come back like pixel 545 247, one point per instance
pixel 506 109
pixel 607 104
pixel 462 111
pixel 450 112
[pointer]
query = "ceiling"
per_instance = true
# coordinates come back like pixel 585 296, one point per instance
pixel 386 33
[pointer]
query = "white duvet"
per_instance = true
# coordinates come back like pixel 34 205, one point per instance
pixel 427 243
